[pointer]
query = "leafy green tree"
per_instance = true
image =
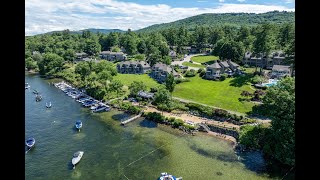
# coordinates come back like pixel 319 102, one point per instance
pixel 253 136
pixel 30 63
pixel 162 96
pixel 69 55
pixel 286 35
pixel 166 60
pixel 226 49
pixel 50 64
pixel 142 47
pixel 280 100
pixel 170 83
pixel 116 86
pixel 92 47
pixel 83 69
pixel 135 87
pixel 264 39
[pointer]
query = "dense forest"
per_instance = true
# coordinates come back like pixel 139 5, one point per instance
pixel 233 19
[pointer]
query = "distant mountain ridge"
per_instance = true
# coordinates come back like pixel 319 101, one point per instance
pixel 237 19
pixel 93 30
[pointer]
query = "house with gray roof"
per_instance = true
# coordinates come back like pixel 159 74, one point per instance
pixel 133 67
pixel 145 95
pixel 172 54
pixel 261 60
pixel 213 71
pixel 81 55
pixel 160 72
pixel 113 56
pixel 279 71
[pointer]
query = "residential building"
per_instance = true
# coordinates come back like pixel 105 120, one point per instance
pixel 279 71
pixel 213 71
pixel 113 56
pixel 261 60
pixel 81 55
pixel 160 72
pixel 133 67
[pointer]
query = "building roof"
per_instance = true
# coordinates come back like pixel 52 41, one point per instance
pixel 110 52
pixel 233 64
pixel 214 65
pixel 224 64
pixel 145 94
pixel 172 53
pixel 80 53
pixel 87 59
pixel 143 63
pixel 280 68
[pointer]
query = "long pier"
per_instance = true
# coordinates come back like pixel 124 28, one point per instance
pixel 131 119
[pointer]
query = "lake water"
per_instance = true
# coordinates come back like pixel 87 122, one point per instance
pixel 140 150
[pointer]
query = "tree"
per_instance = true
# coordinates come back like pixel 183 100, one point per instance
pixel 30 63
pixel 69 55
pixel 50 64
pixel 280 102
pixel 92 47
pixel 116 86
pixel 135 87
pixel 286 35
pixel 226 49
pixel 264 39
pixel 162 97
pixel 170 83
pixel 83 69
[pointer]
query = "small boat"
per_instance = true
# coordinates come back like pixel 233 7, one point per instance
pixel 38 98
pixel 76 158
pixel 26 86
pixel 78 125
pixel 48 105
pixel 30 142
pixel 35 92
pixel 166 176
pixel 99 108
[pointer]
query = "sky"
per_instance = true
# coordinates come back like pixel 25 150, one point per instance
pixel 43 16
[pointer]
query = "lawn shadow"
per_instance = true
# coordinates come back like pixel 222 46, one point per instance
pixel 120 117
pixel 148 124
pixel 239 81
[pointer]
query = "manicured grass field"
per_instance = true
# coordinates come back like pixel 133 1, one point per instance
pixel 203 59
pixel 223 94
pixel 127 79
pixel 193 65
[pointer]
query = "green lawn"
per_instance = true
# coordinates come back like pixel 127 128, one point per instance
pixel 223 94
pixel 127 79
pixel 204 59
pixel 193 65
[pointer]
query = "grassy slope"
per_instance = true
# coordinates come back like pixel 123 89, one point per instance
pixel 223 94
pixel 127 79
pixel 193 65
pixel 204 59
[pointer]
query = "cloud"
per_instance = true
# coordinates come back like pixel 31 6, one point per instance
pixel 221 0
pixel 46 15
pixel 289 1
pixel 202 1
pixel 241 0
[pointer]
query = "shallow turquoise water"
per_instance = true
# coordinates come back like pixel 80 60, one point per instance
pixel 141 150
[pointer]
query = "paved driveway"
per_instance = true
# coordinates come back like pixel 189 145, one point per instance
pixel 187 59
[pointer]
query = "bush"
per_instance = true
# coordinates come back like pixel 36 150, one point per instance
pixel 257 79
pixel 190 73
pixel 201 70
pixel 223 77
pixel 177 122
pixel 220 113
pixel 180 80
pixel 246 66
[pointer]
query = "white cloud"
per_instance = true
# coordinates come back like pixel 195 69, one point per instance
pixel 202 1
pixel 46 15
pixel 289 1
pixel 221 0
pixel 241 0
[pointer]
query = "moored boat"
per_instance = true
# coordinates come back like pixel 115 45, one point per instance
pixel 166 176
pixel 76 158
pixel 78 125
pixel 99 108
pixel 30 142
pixel 26 86
pixel 48 105
pixel 38 98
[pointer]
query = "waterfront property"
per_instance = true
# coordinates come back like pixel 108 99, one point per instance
pixel 127 79
pixel 264 61
pixel 113 56
pixel 215 93
pixel 160 72
pixel 133 67
pixel 279 71
pixel 215 70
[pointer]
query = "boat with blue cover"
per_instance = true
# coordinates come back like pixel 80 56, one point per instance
pixel 78 125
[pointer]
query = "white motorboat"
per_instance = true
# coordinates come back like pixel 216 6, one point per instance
pixel 166 176
pixel 76 158
pixel 30 142
pixel 99 108
pixel 78 124
pixel 48 105
pixel 26 86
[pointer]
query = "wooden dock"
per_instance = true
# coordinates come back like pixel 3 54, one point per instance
pixel 131 119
